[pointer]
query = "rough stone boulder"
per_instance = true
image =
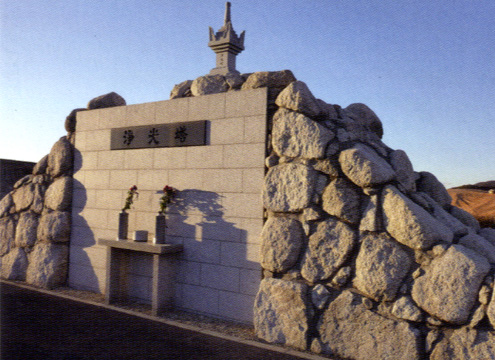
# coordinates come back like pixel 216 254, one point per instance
pixel 14 265
pixel 465 343
pixel 328 249
pixel 465 217
pixel 281 243
pixel 491 310
pixel 59 194
pixel 41 166
pixel 281 310
pixel 348 329
pixel 364 114
pixel 450 285
pixel 404 170
pixel 71 120
pixel 295 135
pixel 342 199
pixel 409 223
pixel 298 97
pixel 271 79
pixel 48 263
pixel 27 226
pixel 364 167
pixel 6 204
pixel 381 265
pixel 288 187
pixel 23 197
pixel 105 101
pixel 405 308
pixel 429 184
pixel 54 227
pixel 181 90
pixel 209 84
pixel 479 244
pixel 7 234
pixel 60 158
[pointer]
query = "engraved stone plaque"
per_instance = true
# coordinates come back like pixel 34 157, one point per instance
pixel 191 133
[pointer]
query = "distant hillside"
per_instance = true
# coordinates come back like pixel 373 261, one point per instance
pixel 478 200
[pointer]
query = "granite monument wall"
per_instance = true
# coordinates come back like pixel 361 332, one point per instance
pixel 217 214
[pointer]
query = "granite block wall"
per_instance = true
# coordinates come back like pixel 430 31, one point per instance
pixel 217 215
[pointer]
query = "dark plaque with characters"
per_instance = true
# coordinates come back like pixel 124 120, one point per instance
pixel 191 133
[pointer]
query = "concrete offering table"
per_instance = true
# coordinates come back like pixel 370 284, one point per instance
pixel 118 256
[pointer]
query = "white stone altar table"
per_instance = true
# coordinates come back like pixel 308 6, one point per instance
pixel 164 256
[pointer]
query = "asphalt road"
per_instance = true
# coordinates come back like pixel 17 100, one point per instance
pixel 40 326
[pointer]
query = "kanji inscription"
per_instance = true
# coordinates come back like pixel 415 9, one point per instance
pixel 191 133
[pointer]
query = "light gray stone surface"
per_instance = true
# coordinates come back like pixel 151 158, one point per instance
pixel 271 79
pixel 450 285
pixel 181 90
pixel 328 249
pixel 364 167
pixel 59 194
pixel 297 97
pixel 403 169
pixel 342 199
pixel 281 312
pixel 281 243
pixel 480 245
pixel 14 265
pixel 288 187
pixel 107 100
pixel 54 227
pixel 23 197
pixel 429 184
pixel 27 226
pixel 327 166
pixel 342 276
pixel 348 329
pixel 381 265
pixel 60 158
pixel 295 135
pixel 367 117
pixel 209 84
pixel 405 308
pixel 464 344
pixel 7 234
pixel 409 223
pixel 48 265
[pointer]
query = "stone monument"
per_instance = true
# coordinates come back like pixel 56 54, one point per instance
pixel 226 44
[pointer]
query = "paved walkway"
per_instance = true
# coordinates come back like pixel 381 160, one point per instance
pixel 37 325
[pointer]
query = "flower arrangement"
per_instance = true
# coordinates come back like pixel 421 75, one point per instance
pixel 130 197
pixel 168 195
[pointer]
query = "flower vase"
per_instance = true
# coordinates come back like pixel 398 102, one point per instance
pixel 123 225
pixel 160 227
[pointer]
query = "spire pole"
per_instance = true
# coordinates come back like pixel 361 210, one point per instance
pixel 227 13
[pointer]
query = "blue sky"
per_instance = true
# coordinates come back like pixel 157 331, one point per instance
pixel 426 67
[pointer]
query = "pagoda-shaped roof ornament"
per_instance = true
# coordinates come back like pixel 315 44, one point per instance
pixel 226 44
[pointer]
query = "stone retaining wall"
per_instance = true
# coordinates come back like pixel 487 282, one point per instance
pixel 364 257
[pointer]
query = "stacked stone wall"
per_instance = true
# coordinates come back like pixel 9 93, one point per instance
pixel 364 257
pixel 35 217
